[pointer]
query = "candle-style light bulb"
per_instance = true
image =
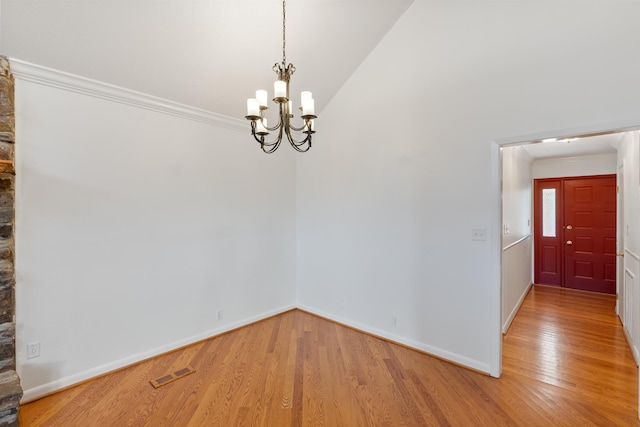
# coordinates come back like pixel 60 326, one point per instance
pixel 253 108
pixel 261 127
pixel 308 107
pixel 280 89
pixel 261 96
pixel 305 94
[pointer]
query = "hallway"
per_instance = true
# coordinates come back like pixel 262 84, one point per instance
pixel 568 349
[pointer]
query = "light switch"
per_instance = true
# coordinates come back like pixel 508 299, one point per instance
pixel 479 234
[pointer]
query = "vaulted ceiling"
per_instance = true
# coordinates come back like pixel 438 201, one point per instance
pixel 209 54
pixel 213 54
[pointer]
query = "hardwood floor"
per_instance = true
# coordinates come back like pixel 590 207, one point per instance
pixel 566 362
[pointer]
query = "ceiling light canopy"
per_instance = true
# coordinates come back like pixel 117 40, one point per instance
pixel 567 140
pixel 257 107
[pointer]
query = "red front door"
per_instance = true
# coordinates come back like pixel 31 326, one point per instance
pixel 575 233
pixel 590 234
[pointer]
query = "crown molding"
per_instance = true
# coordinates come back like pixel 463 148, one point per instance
pixel 26 71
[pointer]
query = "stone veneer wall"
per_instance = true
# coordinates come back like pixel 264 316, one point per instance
pixel 10 389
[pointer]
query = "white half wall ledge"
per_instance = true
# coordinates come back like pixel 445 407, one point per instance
pixel 26 71
pixel 633 254
pixel 520 240
pixel 71 380
pixel 445 355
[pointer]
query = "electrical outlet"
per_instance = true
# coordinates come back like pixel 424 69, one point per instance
pixel 33 350
pixel 394 321
pixel 219 314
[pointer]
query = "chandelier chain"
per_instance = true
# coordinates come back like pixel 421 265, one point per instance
pixel 284 29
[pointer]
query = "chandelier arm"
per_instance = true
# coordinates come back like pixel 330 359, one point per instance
pixel 260 139
pixel 297 144
pixel 271 149
pixel 272 145
pixel 302 148
pixel 300 129
pixel 281 121
pixel 274 128
pixel 307 141
pixel 288 128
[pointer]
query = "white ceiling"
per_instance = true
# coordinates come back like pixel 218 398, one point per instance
pixel 213 54
pixel 210 54
pixel 601 144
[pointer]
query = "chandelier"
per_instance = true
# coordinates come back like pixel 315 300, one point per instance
pixel 298 137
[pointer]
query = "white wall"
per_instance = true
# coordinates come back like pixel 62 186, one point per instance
pixel 597 164
pixel 517 241
pixel 403 169
pixel 134 227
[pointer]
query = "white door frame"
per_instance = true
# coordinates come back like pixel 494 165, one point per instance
pixel 495 362
pixel 620 241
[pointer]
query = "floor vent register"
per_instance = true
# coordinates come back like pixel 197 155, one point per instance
pixel 166 379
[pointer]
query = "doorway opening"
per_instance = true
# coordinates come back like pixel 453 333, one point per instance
pixel 571 140
pixel 627 267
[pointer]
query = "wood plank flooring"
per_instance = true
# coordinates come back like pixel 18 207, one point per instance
pixel 566 363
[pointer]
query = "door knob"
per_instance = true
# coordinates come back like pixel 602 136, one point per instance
pixel 569 242
pixel 569 227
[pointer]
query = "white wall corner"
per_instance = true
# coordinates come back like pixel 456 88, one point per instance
pixel 428 349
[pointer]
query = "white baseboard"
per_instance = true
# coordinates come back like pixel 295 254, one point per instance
pixel 512 315
pixel 634 349
pixel 53 386
pixel 435 351
pixel 61 383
